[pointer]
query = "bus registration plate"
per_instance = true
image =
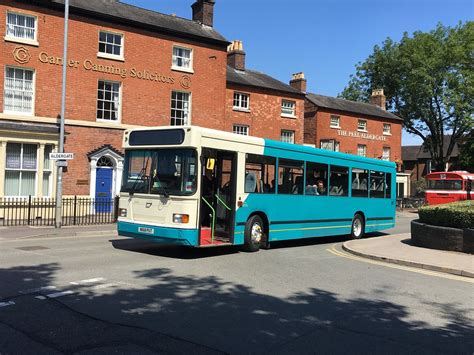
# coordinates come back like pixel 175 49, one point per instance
pixel 146 230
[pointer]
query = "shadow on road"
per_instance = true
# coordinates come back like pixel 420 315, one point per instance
pixel 183 252
pixel 221 315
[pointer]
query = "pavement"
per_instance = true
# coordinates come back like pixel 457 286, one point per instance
pixel 25 232
pixel 397 249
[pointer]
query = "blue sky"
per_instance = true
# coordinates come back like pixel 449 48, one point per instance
pixel 322 38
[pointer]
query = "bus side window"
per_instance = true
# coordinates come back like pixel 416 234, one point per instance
pixel 290 177
pixel 339 181
pixel 259 174
pixel 316 179
pixel 376 184
pixel 360 185
pixel 388 185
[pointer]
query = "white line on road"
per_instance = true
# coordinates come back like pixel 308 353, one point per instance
pixel 6 304
pixel 88 281
pixel 44 288
pixel 40 297
pixel 98 287
pixel 60 294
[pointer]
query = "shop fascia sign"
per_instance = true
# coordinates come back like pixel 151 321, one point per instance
pixel 90 65
pixel 363 135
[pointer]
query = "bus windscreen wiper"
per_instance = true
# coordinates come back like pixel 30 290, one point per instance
pixel 161 189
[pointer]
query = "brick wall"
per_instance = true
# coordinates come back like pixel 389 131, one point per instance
pixel 144 102
pixel 264 118
pixel 317 128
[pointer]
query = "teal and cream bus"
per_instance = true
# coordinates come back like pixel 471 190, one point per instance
pixel 201 187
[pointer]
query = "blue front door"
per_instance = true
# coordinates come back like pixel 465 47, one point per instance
pixel 103 190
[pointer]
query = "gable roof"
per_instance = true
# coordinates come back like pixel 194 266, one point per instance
pixel 134 16
pixel 335 103
pixel 416 152
pixel 259 80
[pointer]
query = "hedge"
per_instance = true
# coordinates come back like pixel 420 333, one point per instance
pixel 456 214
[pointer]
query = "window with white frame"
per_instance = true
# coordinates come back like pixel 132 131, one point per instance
pixel 180 108
pixel 47 171
pixel 288 108
pixel 362 125
pixel 361 150
pixel 335 122
pixel 108 101
pixel 241 101
pixel 21 26
pixel 387 129
pixel 241 129
pixel 288 136
pixel 330 144
pixel 111 43
pixel 18 90
pixel 20 169
pixel 182 58
pixel 386 153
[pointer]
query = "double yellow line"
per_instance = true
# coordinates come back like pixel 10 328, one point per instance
pixel 346 255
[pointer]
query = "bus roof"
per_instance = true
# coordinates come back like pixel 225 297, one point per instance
pixel 451 175
pixel 268 143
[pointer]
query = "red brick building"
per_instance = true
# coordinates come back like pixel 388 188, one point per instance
pixel 364 129
pixel 127 66
pixel 259 105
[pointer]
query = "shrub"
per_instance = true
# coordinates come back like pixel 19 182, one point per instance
pixel 456 214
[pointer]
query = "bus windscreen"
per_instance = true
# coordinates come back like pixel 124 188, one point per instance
pixel 160 172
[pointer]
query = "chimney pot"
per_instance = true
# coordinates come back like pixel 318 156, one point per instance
pixel 236 55
pixel 299 82
pixel 203 12
pixel 378 98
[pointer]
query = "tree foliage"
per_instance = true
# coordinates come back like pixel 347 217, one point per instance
pixel 428 79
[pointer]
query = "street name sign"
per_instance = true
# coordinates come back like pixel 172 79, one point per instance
pixel 61 156
pixel 62 163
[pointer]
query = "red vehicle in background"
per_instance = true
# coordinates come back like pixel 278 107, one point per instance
pixel 450 186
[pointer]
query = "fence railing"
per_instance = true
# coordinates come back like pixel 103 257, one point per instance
pixel 34 211
pixel 410 202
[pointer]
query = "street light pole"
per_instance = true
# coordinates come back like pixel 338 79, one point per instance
pixel 59 180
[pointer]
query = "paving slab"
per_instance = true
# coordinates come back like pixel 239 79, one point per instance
pixel 397 249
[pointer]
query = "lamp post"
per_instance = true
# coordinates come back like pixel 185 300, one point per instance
pixel 59 180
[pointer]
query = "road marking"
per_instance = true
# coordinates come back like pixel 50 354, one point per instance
pixel 6 304
pixel 98 287
pixel 87 281
pixel 39 289
pixel 40 297
pixel 399 267
pixel 60 294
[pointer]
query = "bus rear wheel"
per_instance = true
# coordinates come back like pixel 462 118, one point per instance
pixel 254 234
pixel 357 228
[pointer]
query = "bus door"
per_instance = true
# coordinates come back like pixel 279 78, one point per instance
pixel 218 189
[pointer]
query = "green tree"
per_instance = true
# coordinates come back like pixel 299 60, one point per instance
pixel 466 155
pixel 428 79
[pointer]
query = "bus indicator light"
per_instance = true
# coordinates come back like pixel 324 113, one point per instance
pixel 180 218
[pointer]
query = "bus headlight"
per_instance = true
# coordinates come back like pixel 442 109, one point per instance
pixel 180 218
pixel 122 212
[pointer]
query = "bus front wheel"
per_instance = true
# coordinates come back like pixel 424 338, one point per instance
pixel 254 234
pixel 357 228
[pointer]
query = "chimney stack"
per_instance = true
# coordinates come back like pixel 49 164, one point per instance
pixel 378 98
pixel 298 82
pixel 203 12
pixel 236 55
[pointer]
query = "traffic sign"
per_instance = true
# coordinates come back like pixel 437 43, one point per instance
pixel 62 163
pixel 61 156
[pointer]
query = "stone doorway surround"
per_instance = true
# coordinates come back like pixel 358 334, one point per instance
pixel 116 157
